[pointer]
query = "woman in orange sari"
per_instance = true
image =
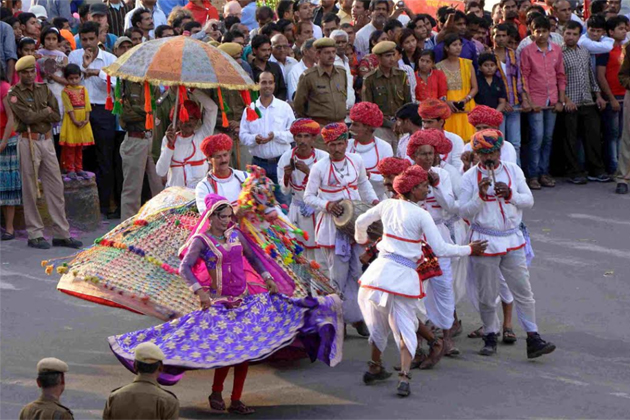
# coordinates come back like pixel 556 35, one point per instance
pixel 462 87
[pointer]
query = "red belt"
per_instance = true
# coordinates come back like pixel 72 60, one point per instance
pixel 178 164
pixel 354 187
pixel 138 134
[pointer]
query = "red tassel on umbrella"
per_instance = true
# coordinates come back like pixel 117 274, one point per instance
pixel 147 107
pixel 109 102
pixel 224 119
pixel 247 98
pixel 183 112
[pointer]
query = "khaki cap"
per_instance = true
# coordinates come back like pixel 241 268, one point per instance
pixel 148 353
pixel 231 48
pixel 51 365
pixel 325 43
pixel 383 47
pixel 24 63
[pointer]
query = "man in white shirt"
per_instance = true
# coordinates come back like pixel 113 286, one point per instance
pixel 222 179
pixel 380 11
pixel 304 12
pixel 159 18
pixel 143 19
pixel 494 195
pixel 434 114
pixel 339 176
pixel 341 39
pixel 407 122
pixel 367 117
pixel 280 54
pixel 309 59
pixel 268 137
pixel 91 60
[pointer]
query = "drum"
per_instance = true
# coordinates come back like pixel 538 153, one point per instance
pixel 351 211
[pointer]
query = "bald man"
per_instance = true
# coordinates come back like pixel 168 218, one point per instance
pixel 232 8
pixel 280 50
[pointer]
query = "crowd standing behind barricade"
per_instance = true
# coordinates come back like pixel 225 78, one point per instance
pixel 343 86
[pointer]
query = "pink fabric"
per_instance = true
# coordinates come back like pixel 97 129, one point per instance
pixel 4 89
pixel 543 73
pixel 38 78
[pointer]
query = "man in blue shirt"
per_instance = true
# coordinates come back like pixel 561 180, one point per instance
pixel 248 17
pixel 8 53
pixel 168 5
pixel 98 14
pixel 455 21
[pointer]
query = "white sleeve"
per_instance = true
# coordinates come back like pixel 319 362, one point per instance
pixel 201 191
pixel 387 151
pixel 456 153
pixel 210 113
pixel 283 135
pixel 312 189
pixel 364 221
pixel 292 82
pixel 434 239
pixel 351 98
pixel 284 161
pixel 366 190
pixel 470 202
pixel 603 46
pixel 444 193
pixel 522 197
pixel 164 162
pixel 245 135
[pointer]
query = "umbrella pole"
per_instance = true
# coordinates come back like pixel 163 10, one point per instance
pixel 176 109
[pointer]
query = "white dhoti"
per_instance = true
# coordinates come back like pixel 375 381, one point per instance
pixel 459 265
pixel 345 276
pixel 384 313
pixel 440 298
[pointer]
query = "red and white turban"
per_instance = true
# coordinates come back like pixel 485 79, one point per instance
pixel 392 166
pixel 430 137
pixel 367 113
pixel 482 114
pixel 305 125
pixel 216 143
pixel 408 180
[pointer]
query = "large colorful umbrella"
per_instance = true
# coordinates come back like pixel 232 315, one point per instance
pixel 183 61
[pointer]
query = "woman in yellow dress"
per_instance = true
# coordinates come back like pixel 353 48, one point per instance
pixel 462 87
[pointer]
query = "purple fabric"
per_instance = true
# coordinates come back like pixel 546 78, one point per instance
pixel 223 336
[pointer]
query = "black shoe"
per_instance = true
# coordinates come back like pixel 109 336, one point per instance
pixel 600 178
pixel 577 180
pixel 371 378
pixel 361 328
pixel 8 236
pixel 39 243
pixel 621 188
pixel 490 345
pixel 113 215
pixel 536 346
pixel 68 243
pixel 404 388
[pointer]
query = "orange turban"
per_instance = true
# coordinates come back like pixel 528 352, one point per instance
pixel 485 115
pixel 217 143
pixel 434 109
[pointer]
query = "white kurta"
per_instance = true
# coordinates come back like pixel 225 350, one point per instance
pixel 333 181
pixel 455 156
pixel 186 165
pixel 372 153
pixel 229 187
pixel 403 142
pixel 494 213
pixel 296 187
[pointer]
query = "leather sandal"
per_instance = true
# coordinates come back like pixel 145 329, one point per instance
pixel 237 407
pixel 478 333
pixel 436 353
pixel 216 403
pixel 370 378
pixel 404 388
pixel 508 336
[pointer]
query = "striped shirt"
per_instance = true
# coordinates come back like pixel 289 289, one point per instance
pixel 511 76
pixel 116 18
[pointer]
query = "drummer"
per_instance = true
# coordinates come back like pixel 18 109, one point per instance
pixel 367 117
pixel 339 176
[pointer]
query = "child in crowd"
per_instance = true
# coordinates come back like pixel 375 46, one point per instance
pixel 595 39
pixel 544 84
pixel 76 130
pixel 52 64
pixel 492 91
pixel 27 46
pixel 431 82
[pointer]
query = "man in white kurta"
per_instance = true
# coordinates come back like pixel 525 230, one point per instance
pixel 337 177
pixel 294 168
pixel 494 195
pixel 366 117
pixel 390 287
pixel 434 113
pixel 222 179
pixel 181 160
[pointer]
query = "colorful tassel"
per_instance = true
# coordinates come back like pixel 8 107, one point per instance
pixel 147 107
pixel 109 103
pixel 224 119
pixel 183 112
pixel 117 110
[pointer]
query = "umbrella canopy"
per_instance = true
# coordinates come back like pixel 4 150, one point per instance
pixel 182 61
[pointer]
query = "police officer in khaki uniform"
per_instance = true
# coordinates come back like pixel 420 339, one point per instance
pixel 388 87
pixel 51 379
pixel 35 109
pixel 135 150
pixel 234 107
pixel 322 90
pixel 143 398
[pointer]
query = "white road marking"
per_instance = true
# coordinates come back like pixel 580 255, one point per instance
pixel 598 218
pixel 7 286
pixel 582 246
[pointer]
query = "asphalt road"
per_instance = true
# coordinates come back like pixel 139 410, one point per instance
pixel 581 281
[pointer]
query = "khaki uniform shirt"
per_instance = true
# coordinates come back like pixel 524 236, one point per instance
pixel 28 106
pixel 388 92
pixel 45 408
pixel 133 118
pixel 141 399
pixel 322 96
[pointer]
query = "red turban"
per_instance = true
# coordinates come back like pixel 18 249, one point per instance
pixel 485 115
pixel 392 166
pixel 411 177
pixel 191 107
pixel 367 113
pixel 487 141
pixel 434 109
pixel 430 137
pixel 334 131
pixel 217 143
pixel 305 125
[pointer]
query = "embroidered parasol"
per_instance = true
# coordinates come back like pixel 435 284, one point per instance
pixel 179 61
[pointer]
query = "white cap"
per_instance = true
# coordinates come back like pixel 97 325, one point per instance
pixel 39 11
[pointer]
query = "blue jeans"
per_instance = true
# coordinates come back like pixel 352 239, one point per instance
pixel 612 122
pixel 272 173
pixel 511 128
pixel 541 125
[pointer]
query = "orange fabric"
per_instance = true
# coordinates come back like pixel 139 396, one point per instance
pixel 72 158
